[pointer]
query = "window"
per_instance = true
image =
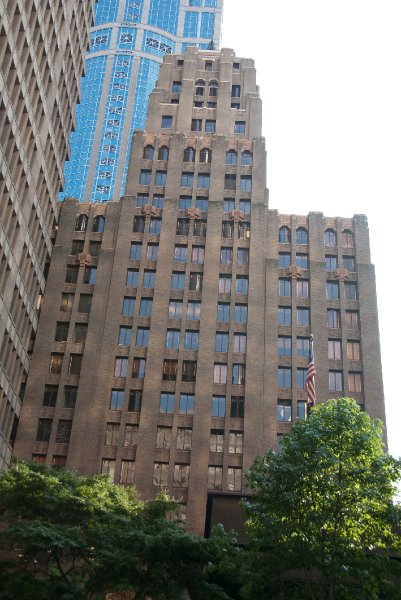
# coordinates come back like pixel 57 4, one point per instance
pixel 234 479
pixel 155 226
pixel 302 261
pixel 349 263
pixel 142 337
pixel 182 226
pixel 108 468
pixel 331 262
pixel 161 178
pixel 223 312
pixel 241 284
pixel 128 306
pixel 220 373
pixel 189 370
pixel 131 436
pixel 81 223
pixel 138 367
pixel 246 158
pixel 199 87
pixel 303 319
pixel 98 224
pixel 301 236
pixel 173 338
pixel 166 403
pixel 94 248
pixel 144 176
pixel 246 183
pixel 160 474
pixel 228 204
pixel 145 307
pixel 121 367
pixel 335 381
pixel 167 121
pixel 187 404
pixel 284 345
pixel 284 287
pixel 350 290
pixel 301 378
pixel 284 260
pixel 236 442
pixel 216 443
pixel 230 181
pixel 152 251
pixel 333 318
pixel 235 91
pixel 218 406
pixel 135 401
pixel 221 344
pixel 240 313
pixel 284 411
pixel 215 478
pixel 56 362
pixel 196 125
pixel 284 377
pixel 227 229
pixel 284 315
pixel 202 203
pixel 226 256
pixel 210 126
pixel 191 341
pixel 127 472
pixel 245 206
pixel 77 247
pixel 181 475
pixel 301 409
pixel 50 395
pixel 213 87
pixel 347 239
pixel 302 288
pixel 175 309
pixel 163 437
pixel 303 346
pixel 244 230
pixel 352 319
pixel 189 155
pixel 284 235
pixel 330 238
pixel 139 224
pixel 196 281
pixel 70 396
pixel 193 311
pixel 135 250
pixel 231 157
pixel 112 434
pixel 353 350
pixel 334 349
pixel 239 127
pixel 184 438
pixel 204 181
pixel 238 374
pixel 242 256
pixel 124 336
pixel 237 407
pixel 355 382
pixel 142 200
pixel 149 279
pixel 198 255
pixel 44 430
pixel 61 332
pixel 187 180
pixel 332 290
pixel 205 156
pixel 89 275
pixel 71 274
pixel 116 399
pixel 239 342
pixel 148 152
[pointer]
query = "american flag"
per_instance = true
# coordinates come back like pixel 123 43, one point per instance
pixel 310 378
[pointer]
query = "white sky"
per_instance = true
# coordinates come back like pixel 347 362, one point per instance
pixel 330 82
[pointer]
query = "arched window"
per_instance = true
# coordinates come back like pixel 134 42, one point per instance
pixel 199 87
pixel 246 158
pixel 284 235
pixel 348 238
pixel 213 88
pixel 98 224
pixel 189 155
pixel 205 155
pixel 231 157
pixel 302 236
pixel 330 237
pixel 81 223
pixel 163 153
pixel 148 152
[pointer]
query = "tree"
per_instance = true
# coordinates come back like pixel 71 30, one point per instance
pixel 70 537
pixel 322 520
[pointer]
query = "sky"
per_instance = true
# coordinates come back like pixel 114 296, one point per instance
pixel 330 83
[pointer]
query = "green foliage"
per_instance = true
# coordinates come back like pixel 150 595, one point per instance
pixel 322 519
pixel 70 537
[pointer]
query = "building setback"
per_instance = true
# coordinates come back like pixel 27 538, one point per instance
pixel 174 336
pixel 42 51
pixel 127 46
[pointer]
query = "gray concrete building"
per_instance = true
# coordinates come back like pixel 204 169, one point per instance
pixel 174 336
pixel 42 51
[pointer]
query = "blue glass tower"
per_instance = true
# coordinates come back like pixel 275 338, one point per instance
pixel 127 45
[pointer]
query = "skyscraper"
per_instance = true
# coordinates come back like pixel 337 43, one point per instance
pixel 42 52
pixel 127 46
pixel 179 319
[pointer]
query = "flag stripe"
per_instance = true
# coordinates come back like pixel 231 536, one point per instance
pixel 310 379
